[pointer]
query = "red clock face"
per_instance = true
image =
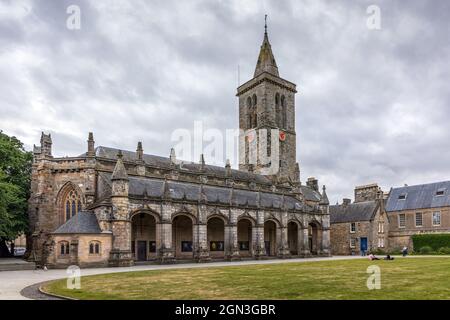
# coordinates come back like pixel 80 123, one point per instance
pixel 282 136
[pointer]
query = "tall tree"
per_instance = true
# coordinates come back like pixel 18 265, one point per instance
pixel 15 174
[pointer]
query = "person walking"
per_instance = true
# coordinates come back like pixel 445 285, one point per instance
pixel 405 251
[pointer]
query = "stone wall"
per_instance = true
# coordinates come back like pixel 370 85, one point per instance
pixel 400 237
pixel 79 250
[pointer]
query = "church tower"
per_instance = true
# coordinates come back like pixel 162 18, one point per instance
pixel 267 120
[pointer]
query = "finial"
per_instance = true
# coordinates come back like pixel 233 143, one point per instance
pixel 173 157
pixel 119 154
pixel 265 23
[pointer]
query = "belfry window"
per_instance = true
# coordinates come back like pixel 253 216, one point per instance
pixel 277 110
pixel 72 204
pixel 283 113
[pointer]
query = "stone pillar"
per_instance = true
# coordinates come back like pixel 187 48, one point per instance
pixel 201 240
pixel 166 252
pixel 231 243
pixel 305 252
pixel 325 245
pixel 282 240
pixel 259 251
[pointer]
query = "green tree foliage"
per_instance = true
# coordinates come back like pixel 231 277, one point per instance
pixel 15 174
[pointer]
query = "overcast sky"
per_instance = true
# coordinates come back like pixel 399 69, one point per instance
pixel 372 106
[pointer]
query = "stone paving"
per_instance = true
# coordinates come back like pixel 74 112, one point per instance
pixel 13 282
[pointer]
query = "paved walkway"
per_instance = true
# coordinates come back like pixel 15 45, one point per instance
pixel 12 282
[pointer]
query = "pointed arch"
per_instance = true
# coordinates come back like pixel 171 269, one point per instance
pixel 283 113
pixel 69 201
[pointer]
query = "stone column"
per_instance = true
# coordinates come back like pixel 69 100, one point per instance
pixel 305 252
pixel 325 245
pixel 166 249
pixel 231 243
pixel 259 251
pixel 201 242
pixel 283 245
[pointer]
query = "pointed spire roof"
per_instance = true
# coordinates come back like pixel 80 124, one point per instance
pixel 266 60
pixel 119 173
pixel 324 198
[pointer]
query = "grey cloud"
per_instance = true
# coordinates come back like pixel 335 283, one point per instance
pixel 372 105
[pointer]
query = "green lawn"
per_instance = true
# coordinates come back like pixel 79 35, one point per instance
pixel 411 278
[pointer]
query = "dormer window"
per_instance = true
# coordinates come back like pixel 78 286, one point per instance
pixel 402 196
pixel 440 192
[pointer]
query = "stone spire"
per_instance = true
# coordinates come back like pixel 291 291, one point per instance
pixel 324 198
pixel 119 173
pixel 266 60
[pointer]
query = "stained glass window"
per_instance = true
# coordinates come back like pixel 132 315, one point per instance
pixel 73 204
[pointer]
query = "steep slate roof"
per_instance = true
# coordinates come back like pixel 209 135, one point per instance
pixel 164 162
pixel 310 194
pixel 139 186
pixel 353 212
pixel 419 197
pixel 266 60
pixel 82 222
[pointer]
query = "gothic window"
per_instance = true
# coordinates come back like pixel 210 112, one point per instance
pixel 64 248
pixel 249 113
pixel 283 112
pixel 277 110
pixel 72 204
pixel 94 247
pixel 254 100
pixel 249 102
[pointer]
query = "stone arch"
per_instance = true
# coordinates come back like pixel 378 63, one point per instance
pixel 183 234
pixel 248 217
pixel 151 212
pixel 314 236
pixel 245 228
pixel 186 213
pixel 69 207
pixel 215 235
pixel 220 216
pixel 145 234
pixel 295 236
pixel 272 236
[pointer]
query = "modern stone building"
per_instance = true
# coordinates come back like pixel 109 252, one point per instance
pixel 112 207
pixel 387 221
pixel 361 226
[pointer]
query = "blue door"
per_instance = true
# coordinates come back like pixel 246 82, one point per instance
pixel 363 244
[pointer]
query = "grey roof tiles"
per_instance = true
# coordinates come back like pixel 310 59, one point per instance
pixel 82 222
pixel 419 197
